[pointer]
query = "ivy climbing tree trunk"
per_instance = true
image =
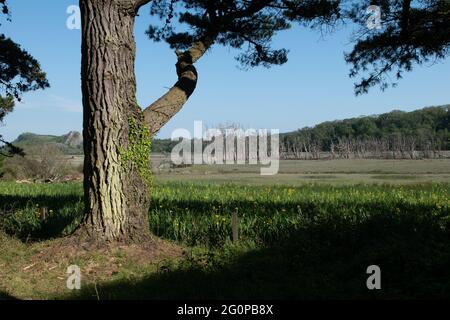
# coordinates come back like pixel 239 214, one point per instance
pixel 117 132
pixel 115 185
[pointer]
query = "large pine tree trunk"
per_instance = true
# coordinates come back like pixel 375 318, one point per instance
pixel 115 129
pixel 116 192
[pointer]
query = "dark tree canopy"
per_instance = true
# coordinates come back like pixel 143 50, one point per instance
pixel 412 32
pixel 19 73
pixel 240 24
pixel 4 7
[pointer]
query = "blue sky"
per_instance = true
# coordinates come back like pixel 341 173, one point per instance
pixel 312 87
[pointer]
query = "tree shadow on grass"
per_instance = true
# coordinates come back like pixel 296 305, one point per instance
pixel 25 218
pixel 325 260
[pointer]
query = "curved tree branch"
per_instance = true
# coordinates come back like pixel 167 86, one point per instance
pixel 139 3
pixel 161 111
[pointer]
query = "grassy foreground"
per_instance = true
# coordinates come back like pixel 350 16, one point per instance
pixel 312 241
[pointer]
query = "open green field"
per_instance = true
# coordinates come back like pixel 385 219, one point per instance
pixel 300 172
pixel 307 241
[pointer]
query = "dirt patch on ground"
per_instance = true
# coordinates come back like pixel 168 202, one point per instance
pixel 153 249
pixel 39 270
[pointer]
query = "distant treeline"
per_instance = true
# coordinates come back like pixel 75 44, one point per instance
pixel 397 134
pixel 422 133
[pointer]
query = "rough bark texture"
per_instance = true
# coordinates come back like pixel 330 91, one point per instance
pixel 116 195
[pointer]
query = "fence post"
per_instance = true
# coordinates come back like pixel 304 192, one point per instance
pixel 234 226
pixel 44 214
